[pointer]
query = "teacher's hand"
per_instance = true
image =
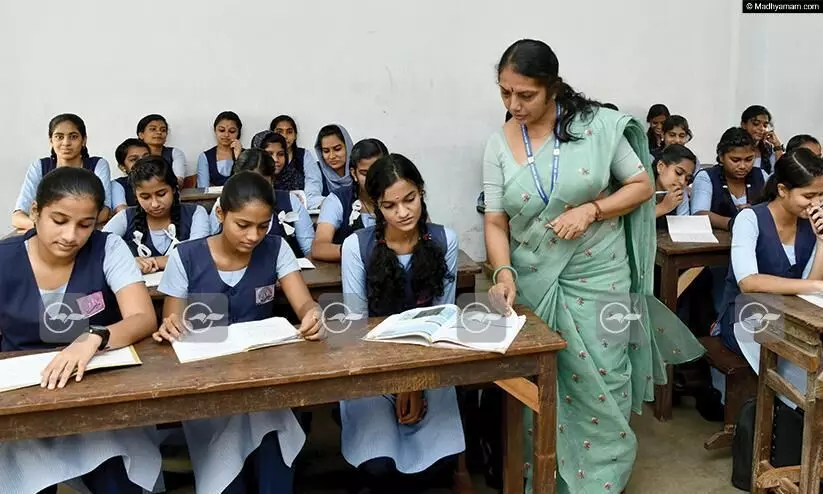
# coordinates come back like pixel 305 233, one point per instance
pixel 574 222
pixel 501 296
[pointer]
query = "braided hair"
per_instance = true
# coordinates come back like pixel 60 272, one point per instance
pixel 385 282
pixel 144 170
pixel 74 120
pixel 796 169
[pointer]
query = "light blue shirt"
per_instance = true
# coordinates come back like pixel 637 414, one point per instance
pixel 178 163
pixel 354 273
pixel 175 281
pixel 118 195
pixel 35 174
pixel 203 176
pixel 303 227
pixel 313 180
pixel 702 192
pixel 744 242
pixel 331 212
pixel 119 267
pixel 118 225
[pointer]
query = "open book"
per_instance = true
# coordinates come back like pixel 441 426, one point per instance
pixel 237 338
pixel 448 326
pixel 694 229
pixel 814 298
pixel 22 372
pixel 153 279
pixel 214 189
pixel 304 263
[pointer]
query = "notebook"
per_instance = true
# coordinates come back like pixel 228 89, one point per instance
pixel 22 372
pixel 153 279
pixel 237 338
pixel 214 189
pixel 694 229
pixel 305 263
pixel 447 326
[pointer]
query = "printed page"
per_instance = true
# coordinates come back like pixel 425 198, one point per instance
pixel 266 332
pixel 481 331
pixel 695 229
pixel 423 322
pixel 214 189
pixel 216 342
pixel 304 263
pixel 814 298
pixel 153 279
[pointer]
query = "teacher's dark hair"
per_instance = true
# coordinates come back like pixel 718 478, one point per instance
pixel 243 188
pixel 74 120
pixel 793 170
pixel 255 160
pixel 231 117
pixel 797 142
pixel 385 283
pixel 67 181
pixel 145 169
pixel 535 59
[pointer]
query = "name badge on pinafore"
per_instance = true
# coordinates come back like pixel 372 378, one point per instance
pixel 92 304
pixel 264 294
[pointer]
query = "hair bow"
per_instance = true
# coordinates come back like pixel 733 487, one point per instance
pixel 284 219
pixel 171 232
pixel 142 250
pixel 356 207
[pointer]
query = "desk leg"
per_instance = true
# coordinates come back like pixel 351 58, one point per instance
pixel 513 443
pixel 761 452
pixel 668 295
pixel 812 447
pixel 545 449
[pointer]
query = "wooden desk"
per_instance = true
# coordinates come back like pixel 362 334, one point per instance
pixel 199 196
pixel 326 277
pixel 342 367
pixel 798 340
pixel 673 258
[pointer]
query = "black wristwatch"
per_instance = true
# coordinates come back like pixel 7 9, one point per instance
pixel 103 332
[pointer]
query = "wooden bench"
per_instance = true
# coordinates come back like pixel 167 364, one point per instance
pixel 741 384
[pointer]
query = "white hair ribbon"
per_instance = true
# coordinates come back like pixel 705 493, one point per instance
pixel 356 207
pixel 284 219
pixel 142 250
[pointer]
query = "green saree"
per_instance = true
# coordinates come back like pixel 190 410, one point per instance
pixel 612 362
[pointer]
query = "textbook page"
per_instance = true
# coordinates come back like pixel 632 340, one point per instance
pixel 694 229
pixel 423 323
pixel 237 338
pixel 814 298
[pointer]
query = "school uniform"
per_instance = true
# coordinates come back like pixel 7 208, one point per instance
pixel 757 249
pixel 342 209
pixel 322 179
pixel 301 228
pixel 709 193
pixel 211 171
pixel 219 447
pixel 293 175
pixel 177 160
pixel 103 266
pixel 194 223
pixel 766 164
pixel 43 166
pixel 370 430
pixel 122 193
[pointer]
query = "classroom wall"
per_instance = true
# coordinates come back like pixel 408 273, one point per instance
pixel 419 75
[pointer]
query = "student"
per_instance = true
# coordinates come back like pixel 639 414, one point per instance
pixel 276 145
pixel 673 172
pixel 127 154
pixel 658 113
pixel 159 221
pixel 730 185
pixel 349 208
pixel 214 165
pixel 67 138
pixel 776 243
pixel 60 262
pixel 675 131
pixel 293 175
pixel 290 219
pixel 250 451
pixel 757 121
pixel 332 147
pixel 154 130
pixel 400 263
pixel 804 141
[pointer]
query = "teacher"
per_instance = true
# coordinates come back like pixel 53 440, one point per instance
pixel 569 228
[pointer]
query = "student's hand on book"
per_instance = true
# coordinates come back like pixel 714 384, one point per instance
pixel 311 327
pixel 574 222
pixel 75 356
pixel 501 297
pixel 172 329
pixel 147 265
pixel 816 219
pixel 410 408
pixel 236 148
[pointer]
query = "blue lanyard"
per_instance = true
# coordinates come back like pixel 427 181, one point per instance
pixel 555 159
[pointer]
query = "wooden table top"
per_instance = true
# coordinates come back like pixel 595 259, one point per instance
pixel 666 246
pixel 341 356
pixel 200 194
pixel 327 274
pixel 794 309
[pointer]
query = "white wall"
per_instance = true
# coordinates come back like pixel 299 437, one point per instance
pixel 419 75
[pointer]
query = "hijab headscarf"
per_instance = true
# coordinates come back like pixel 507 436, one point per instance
pixel 334 180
